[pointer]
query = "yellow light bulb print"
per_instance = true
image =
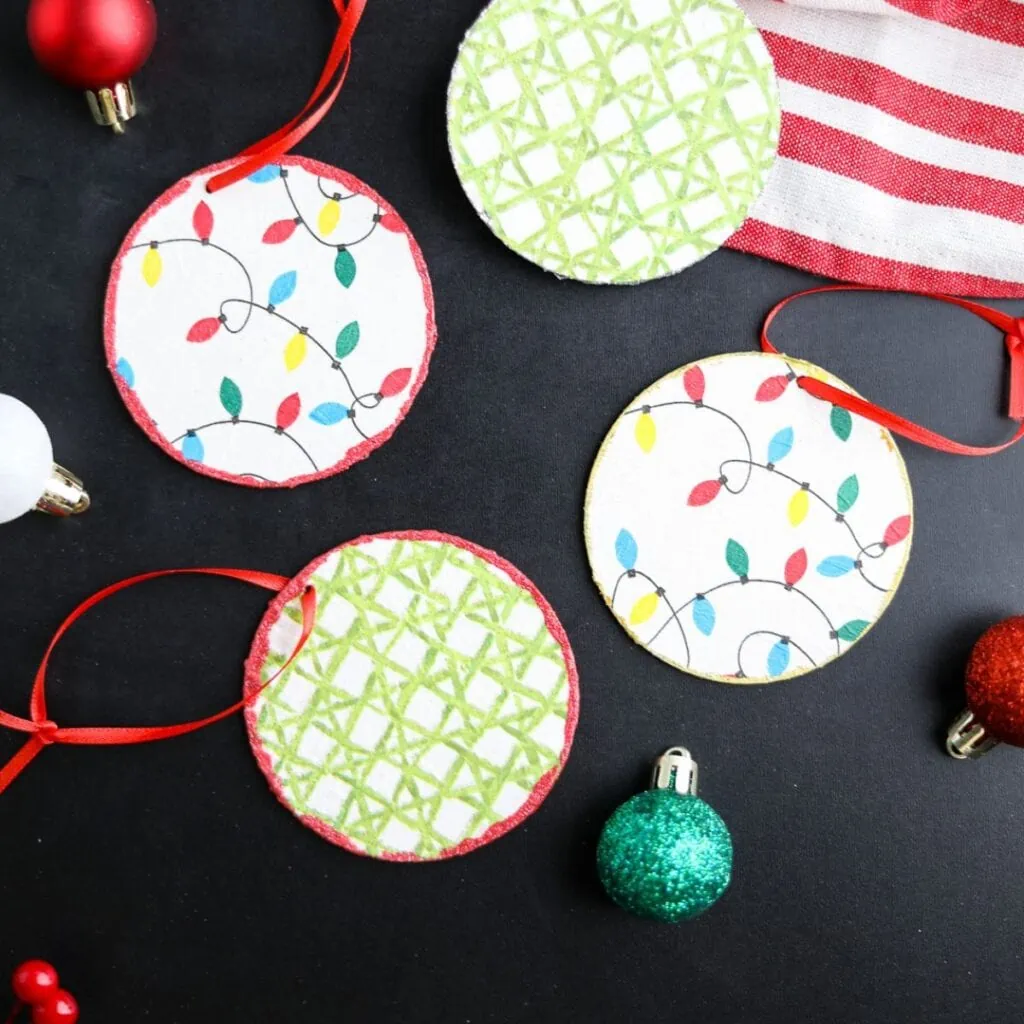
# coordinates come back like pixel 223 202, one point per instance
pixel 330 215
pixel 643 609
pixel 798 507
pixel 152 266
pixel 646 431
pixel 295 352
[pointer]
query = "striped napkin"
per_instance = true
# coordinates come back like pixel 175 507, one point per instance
pixel 901 158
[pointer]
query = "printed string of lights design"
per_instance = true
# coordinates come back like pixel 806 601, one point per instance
pixel 702 610
pixel 326 414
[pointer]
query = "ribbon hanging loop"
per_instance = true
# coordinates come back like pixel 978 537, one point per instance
pixel 43 732
pixel 332 78
pixel 1012 328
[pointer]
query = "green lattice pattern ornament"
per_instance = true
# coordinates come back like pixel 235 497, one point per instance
pixel 613 141
pixel 432 708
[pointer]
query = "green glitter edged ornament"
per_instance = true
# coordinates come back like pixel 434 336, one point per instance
pixel 666 854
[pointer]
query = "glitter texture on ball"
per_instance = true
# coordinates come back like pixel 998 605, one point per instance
pixel 665 855
pixel 995 681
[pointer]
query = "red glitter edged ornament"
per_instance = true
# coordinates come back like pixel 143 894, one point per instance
pixel 261 337
pixel 995 693
pixel 492 732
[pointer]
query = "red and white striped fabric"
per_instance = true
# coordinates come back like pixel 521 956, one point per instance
pixel 901 158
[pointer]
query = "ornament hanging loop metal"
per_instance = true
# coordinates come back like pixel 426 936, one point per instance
pixel 675 769
pixel 967 738
pixel 112 106
pixel 65 494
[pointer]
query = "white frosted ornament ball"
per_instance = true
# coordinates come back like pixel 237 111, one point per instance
pixel 26 458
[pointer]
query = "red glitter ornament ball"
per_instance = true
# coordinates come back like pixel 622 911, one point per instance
pixel 995 681
pixel 91 44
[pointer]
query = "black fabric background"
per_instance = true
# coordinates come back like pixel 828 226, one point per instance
pixel 876 879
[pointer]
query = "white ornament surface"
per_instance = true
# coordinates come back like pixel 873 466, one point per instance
pixel 741 529
pixel 275 331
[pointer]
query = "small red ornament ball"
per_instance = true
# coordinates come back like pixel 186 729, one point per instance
pixel 91 44
pixel 995 681
pixel 35 981
pixel 60 1008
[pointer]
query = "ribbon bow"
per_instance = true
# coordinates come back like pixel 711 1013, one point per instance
pixel 43 732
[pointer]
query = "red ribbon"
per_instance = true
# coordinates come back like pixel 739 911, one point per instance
pixel 1012 327
pixel 323 96
pixel 43 732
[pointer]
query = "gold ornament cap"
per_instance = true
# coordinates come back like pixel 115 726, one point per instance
pixel 65 494
pixel 112 105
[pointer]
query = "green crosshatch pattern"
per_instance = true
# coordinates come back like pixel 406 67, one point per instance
pixel 427 705
pixel 613 141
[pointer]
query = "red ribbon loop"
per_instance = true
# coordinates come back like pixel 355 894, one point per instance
pixel 1011 326
pixel 332 78
pixel 43 732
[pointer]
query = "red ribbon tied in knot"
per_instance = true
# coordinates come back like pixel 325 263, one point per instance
pixel 1015 338
pixel 44 732
pixel 1012 328
pixel 1015 348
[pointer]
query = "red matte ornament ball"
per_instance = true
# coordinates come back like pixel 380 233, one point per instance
pixel 35 981
pixel 995 681
pixel 91 44
pixel 60 1008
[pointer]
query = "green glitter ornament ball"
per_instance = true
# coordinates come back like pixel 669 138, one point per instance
pixel 665 855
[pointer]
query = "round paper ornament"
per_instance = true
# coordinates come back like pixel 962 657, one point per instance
pixel 613 141
pixel 432 709
pixel 269 320
pixel 409 696
pixel 748 517
pixel 740 528
pixel 273 332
